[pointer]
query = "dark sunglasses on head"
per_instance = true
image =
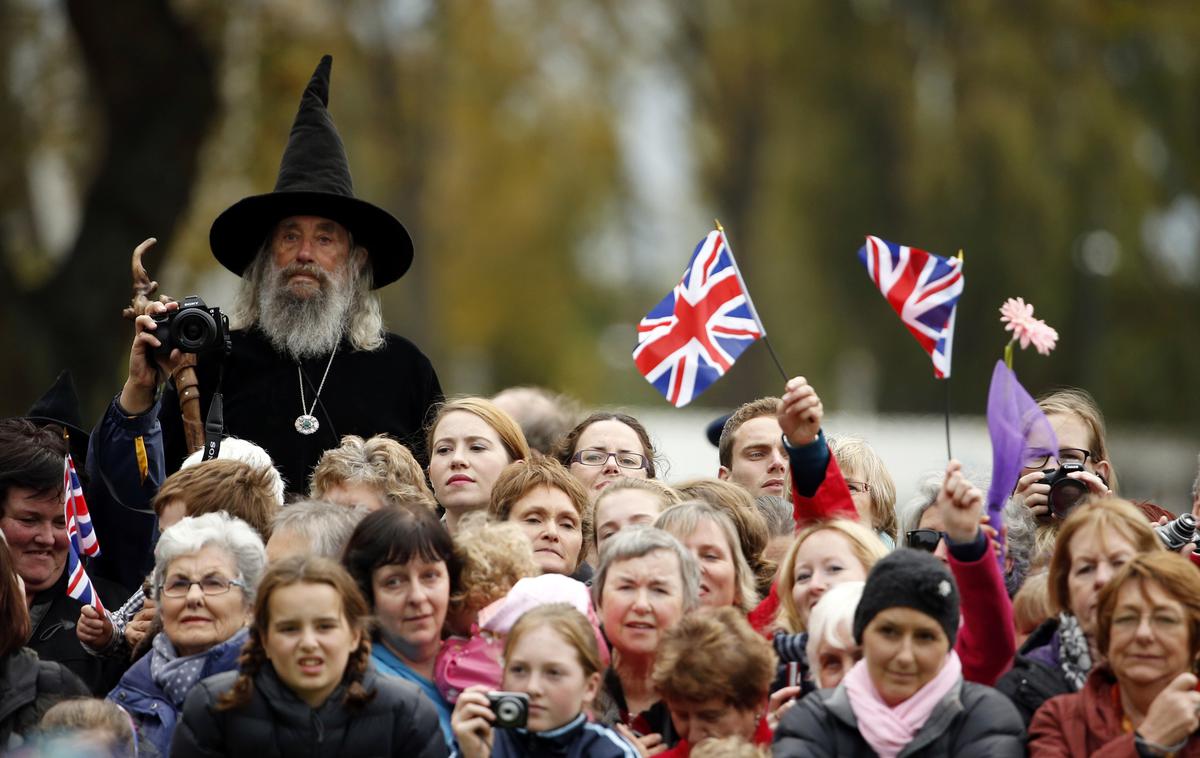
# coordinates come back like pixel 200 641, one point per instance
pixel 923 539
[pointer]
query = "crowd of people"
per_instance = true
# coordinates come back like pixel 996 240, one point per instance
pixel 362 567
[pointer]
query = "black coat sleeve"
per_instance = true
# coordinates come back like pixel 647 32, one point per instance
pixel 420 735
pixel 805 732
pixel 992 727
pixel 199 731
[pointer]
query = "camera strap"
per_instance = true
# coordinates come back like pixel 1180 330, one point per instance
pixel 214 422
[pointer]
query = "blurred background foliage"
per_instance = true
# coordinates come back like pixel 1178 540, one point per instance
pixel 557 160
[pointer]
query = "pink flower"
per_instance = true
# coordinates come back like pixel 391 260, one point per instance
pixel 1017 317
pixel 1041 335
pixel 1016 314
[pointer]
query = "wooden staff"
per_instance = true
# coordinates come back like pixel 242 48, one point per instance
pixel 184 373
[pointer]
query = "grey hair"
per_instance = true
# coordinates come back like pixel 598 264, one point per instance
pixel 1020 538
pixel 365 327
pixel 831 622
pixel 326 527
pixel 634 542
pixel 777 512
pixel 928 486
pixel 194 533
pixel 684 518
pixel 1196 484
pixel 234 449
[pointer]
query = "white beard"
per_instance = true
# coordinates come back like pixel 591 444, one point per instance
pixel 310 325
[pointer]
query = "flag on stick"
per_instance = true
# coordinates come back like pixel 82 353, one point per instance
pixel 923 289
pixel 694 335
pixel 81 538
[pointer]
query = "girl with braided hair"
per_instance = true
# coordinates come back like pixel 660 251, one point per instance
pixel 305 682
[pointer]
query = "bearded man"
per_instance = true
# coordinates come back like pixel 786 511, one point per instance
pixel 310 359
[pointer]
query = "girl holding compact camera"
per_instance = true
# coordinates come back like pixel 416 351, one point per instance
pixel 551 675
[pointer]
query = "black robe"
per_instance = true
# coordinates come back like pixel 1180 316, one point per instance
pixel 389 390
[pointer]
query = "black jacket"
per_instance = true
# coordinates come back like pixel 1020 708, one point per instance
pixel 972 720
pixel 54 638
pixel 399 721
pixel 388 391
pixel 28 688
pixel 1031 681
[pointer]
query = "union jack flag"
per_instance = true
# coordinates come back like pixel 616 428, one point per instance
pixel 81 538
pixel 923 289
pixel 691 338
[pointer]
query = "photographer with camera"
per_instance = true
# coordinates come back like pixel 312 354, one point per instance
pixel 1051 486
pixel 551 676
pixel 310 360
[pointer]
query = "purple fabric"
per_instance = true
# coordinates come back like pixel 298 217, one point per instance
pixel 1019 430
pixel 1047 654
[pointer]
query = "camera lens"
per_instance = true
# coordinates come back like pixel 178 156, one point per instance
pixel 507 710
pixel 194 329
pixel 1064 495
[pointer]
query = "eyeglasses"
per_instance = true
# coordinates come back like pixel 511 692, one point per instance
pixel 1065 455
pixel 857 488
pixel 1128 622
pixel 210 585
pixel 600 457
pixel 923 539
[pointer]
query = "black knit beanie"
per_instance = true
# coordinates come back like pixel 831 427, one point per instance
pixel 909 578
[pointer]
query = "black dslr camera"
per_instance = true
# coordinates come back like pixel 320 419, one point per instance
pixel 1065 492
pixel 194 328
pixel 511 709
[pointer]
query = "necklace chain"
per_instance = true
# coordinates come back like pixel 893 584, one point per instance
pixel 321 386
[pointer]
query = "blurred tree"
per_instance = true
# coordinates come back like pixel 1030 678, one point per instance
pixel 152 99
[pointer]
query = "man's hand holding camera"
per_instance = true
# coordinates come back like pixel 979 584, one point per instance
pixel 146 369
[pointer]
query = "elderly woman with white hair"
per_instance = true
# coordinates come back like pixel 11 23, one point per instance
pixel 206 569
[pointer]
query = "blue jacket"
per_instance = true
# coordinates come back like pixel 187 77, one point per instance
pixel 577 739
pixel 152 711
pixel 125 467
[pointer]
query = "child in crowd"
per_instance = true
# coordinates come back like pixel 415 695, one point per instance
pixel 551 656
pixel 92 725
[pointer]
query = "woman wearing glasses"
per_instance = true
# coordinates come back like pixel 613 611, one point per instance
pixel 1079 426
pixel 470 441
pixel 206 570
pixel 1142 700
pixel 1093 544
pixel 604 447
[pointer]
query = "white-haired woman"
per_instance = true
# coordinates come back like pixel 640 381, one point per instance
pixel 645 582
pixel 206 570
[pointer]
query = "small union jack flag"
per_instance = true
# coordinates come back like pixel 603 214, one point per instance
pixel 691 338
pixel 81 538
pixel 923 289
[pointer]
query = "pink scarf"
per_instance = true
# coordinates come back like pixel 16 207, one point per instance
pixel 889 730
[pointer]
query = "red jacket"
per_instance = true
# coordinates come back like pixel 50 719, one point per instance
pixel 830 501
pixel 1088 722
pixel 986 641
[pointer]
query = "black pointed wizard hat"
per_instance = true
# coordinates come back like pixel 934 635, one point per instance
pixel 314 180
pixel 60 405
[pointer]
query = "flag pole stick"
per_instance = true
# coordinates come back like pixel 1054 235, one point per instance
pixel 750 304
pixel 949 456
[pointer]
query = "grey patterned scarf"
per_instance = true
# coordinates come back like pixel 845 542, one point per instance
pixel 1074 655
pixel 177 675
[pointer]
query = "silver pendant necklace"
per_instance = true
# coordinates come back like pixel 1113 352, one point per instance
pixel 306 422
